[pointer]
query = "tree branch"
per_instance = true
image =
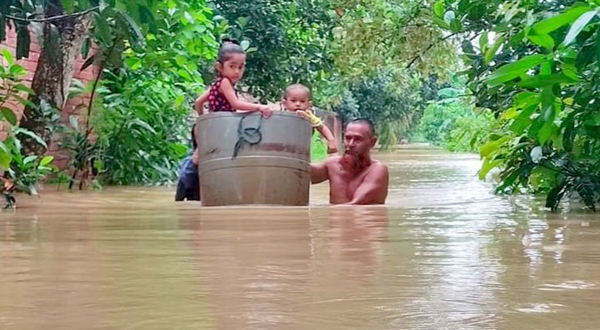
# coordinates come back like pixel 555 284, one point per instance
pixel 414 59
pixel 51 19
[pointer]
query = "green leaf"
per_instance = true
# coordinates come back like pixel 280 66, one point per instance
pixel 25 89
pixel 133 63
pixel 5 158
pixel 492 146
pixel 136 36
pixel 9 115
pixel 491 52
pixel 17 70
pixel 487 166
pixel 29 159
pixel 438 8
pixel 440 22
pixel 32 135
pixel 514 70
pixel 578 25
pixel 542 40
pixel 143 124
pixel 46 160
pixel 553 23
pixel 542 81
pixel 68 5
pixel 8 56
pixel 523 120
pixel 179 100
pixel 88 62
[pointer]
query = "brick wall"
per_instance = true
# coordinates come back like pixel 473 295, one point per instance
pixel 30 64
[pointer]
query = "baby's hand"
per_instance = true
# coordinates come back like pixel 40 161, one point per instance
pixel 314 120
pixel 265 110
pixel 332 147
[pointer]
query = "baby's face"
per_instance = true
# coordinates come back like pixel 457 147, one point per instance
pixel 297 99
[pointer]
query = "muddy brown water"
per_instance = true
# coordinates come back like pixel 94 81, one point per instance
pixel 445 253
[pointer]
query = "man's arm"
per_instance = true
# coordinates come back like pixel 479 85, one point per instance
pixel 374 188
pixel 318 172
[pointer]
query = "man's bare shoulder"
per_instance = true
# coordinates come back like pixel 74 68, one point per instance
pixel 378 164
pixel 378 167
pixel 332 160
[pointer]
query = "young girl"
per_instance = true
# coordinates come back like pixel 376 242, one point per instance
pixel 221 95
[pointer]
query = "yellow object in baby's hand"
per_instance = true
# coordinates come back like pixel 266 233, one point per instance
pixel 314 120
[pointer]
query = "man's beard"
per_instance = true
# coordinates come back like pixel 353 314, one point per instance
pixel 353 162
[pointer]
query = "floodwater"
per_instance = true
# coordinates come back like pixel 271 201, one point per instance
pixel 444 253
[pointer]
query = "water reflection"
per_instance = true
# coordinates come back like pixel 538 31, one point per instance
pixel 443 254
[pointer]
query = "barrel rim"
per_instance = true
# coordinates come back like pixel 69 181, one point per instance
pixel 217 114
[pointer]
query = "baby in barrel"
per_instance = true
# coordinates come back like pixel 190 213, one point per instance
pixel 297 98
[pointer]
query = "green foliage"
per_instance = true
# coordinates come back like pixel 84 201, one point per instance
pixel 12 93
pixel 145 110
pixel 23 172
pixel 536 66
pixel 286 42
pixel 26 171
pixel 391 100
pixel 452 122
pixel 318 148
pixel 373 34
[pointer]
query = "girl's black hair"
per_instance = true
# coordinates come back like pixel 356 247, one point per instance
pixel 228 47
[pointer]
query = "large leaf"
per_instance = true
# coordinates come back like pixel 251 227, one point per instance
pixel 514 70
pixel 46 160
pixel 5 157
pixel 543 40
pixel 553 23
pixel 32 135
pixel 9 115
pixel 542 81
pixel 578 25
pixel 8 56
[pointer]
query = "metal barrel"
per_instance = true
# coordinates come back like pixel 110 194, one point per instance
pixel 245 159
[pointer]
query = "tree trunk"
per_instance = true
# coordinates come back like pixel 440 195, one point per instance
pixel 61 46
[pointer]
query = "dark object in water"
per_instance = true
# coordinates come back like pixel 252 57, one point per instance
pixel 8 187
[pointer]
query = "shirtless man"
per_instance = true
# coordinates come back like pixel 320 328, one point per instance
pixel 354 178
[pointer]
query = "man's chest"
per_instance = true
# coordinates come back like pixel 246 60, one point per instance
pixel 346 183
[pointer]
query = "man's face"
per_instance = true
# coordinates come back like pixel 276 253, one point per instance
pixel 358 139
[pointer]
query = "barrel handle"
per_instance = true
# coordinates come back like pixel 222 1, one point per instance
pixel 250 135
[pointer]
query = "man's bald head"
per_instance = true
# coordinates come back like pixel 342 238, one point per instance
pixel 364 121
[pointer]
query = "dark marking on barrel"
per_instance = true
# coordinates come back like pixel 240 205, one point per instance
pixel 282 147
pixel 212 151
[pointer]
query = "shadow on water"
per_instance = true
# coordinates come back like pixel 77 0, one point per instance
pixel 444 253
